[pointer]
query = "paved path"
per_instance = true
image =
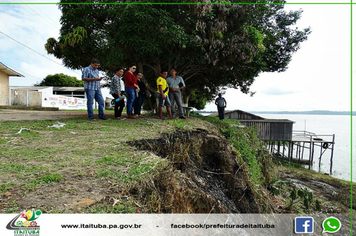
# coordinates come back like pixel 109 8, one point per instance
pixel 9 115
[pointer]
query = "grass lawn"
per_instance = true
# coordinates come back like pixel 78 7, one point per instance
pixel 100 167
pixel 80 167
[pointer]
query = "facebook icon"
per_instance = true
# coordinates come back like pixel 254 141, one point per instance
pixel 304 225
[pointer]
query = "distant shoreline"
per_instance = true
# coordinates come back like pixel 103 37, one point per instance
pixel 297 112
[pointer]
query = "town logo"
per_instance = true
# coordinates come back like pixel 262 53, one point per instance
pixel 25 223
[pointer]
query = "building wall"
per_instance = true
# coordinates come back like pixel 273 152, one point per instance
pixel 271 130
pixel 4 89
pixel 46 92
pixel 44 98
pixel 26 98
pixel 35 99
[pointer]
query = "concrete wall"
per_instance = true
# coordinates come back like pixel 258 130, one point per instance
pixel 26 98
pixel 35 99
pixel 46 92
pixel 4 89
pixel 44 98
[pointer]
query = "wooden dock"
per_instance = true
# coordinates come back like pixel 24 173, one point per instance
pixel 282 141
pixel 303 146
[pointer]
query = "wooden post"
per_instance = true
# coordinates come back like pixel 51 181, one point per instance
pixel 290 151
pixel 321 153
pixel 331 156
pixel 279 147
pixel 312 153
pixel 300 150
pixel 291 146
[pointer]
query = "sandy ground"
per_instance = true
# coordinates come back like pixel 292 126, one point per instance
pixel 13 115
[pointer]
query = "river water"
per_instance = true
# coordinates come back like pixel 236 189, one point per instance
pixel 340 125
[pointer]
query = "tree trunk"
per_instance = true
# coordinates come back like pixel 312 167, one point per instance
pixel 185 99
pixel 140 67
pixel 158 68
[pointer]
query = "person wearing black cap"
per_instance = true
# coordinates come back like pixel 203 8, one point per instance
pixel 90 76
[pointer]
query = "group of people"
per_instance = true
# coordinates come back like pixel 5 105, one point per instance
pixel 169 93
pixel 135 89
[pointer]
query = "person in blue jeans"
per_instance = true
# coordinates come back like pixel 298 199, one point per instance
pixel 90 76
pixel 140 98
pixel 130 87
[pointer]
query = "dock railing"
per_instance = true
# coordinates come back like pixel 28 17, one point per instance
pixel 312 136
pixel 303 133
pixel 325 142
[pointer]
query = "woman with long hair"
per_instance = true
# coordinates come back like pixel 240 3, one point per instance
pixel 130 87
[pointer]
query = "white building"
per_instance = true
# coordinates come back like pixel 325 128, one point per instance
pixel 71 98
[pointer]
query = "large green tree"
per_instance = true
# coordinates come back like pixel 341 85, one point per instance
pixel 214 44
pixel 60 80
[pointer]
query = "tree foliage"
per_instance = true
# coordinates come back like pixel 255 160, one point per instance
pixel 60 80
pixel 213 45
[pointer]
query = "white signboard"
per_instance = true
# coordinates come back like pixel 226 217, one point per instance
pixel 63 102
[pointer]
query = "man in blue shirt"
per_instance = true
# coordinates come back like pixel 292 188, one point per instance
pixel 90 76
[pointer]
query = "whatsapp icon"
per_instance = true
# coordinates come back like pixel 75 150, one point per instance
pixel 331 225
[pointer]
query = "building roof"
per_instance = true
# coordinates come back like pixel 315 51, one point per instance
pixel 29 88
pixel 68 89
pixel 247 115
pixel 55 89
pixel 8 71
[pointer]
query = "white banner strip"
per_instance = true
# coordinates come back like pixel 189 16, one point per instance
pixel 171 224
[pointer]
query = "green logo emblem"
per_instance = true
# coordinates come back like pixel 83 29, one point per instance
pixel 331 225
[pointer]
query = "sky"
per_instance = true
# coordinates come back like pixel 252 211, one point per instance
pixel 317 78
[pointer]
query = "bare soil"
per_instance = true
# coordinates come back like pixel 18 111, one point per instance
pixel 205 177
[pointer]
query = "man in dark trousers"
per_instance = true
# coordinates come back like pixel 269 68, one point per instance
pixel 220 102
pixel 117 88
pixel 176 84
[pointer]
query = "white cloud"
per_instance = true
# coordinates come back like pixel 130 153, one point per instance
pixel 31 25
pixel 277 91
pixel 318 77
